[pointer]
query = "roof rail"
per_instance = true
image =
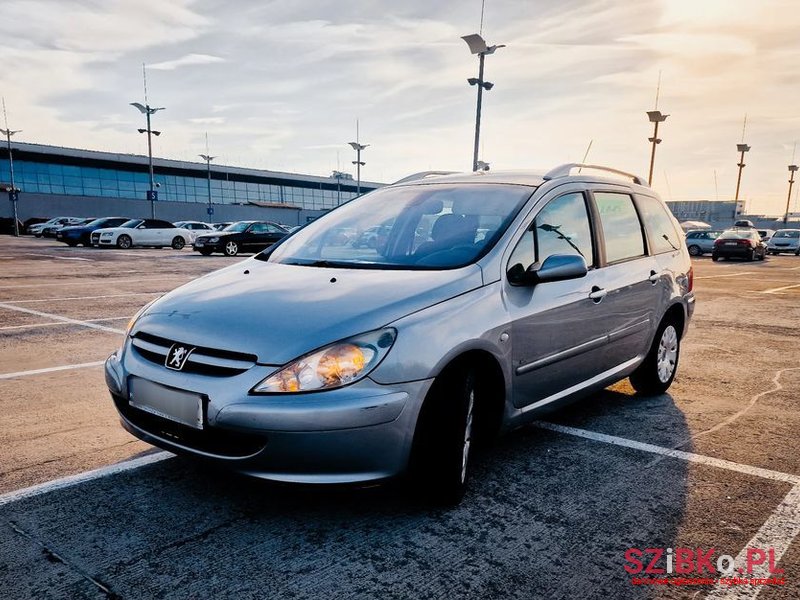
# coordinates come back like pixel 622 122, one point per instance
pixel 422 175
pixel 565 170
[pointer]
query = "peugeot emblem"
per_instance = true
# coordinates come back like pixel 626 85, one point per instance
pixel 177 356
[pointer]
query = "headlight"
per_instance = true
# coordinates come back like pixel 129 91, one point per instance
pixel 333 366
pixel 211 240
pixel 106 234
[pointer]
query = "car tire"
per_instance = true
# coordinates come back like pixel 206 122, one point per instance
pixel 178 243
pixel 205 252
pixel 72 244
pixel 231 248
pixel 694 250
pixel 124 242
pixel 443 438
pixel 655 374
pixel 714 257
pixel 752 256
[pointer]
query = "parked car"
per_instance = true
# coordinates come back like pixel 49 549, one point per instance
pixel 243 236
pixel 37 228
pixel 72 235
pixel 194 227
pixel 297 366
pixel 142 232
pixel 741 242
pixel 785 240
pixel 52 230
pixel 373 237
pixel 766 234
pixel 700 242
pixel 744 223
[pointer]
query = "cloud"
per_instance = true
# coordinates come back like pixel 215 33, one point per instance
pixel 185 61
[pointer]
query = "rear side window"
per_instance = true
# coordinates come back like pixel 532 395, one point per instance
pixel 621 227
pixel 661 232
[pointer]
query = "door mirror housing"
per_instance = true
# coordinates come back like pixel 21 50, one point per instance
pixel 557 267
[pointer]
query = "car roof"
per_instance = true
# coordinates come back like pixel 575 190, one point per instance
pixel 529 177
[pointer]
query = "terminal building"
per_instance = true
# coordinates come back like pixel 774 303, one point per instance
pixel 57 181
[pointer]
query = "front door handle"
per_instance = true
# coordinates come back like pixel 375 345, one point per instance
pixel 654 277
pixel 597 294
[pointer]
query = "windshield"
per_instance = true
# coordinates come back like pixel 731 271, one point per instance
pixel 787 234
pixel 132 224
pixel 237 227
pixel 430 226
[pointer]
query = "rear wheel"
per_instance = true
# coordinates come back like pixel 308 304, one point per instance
pixel 694 250
pixel 442 451
pixel 752 256
pixel 655 374
pixel 124 242
pixel 178 243
pixel 231 248
pixel 206 252
pixel 714 257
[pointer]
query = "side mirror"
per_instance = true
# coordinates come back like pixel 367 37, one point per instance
pixel 140 226
pixel 557 267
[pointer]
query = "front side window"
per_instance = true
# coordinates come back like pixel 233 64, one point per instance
pixel 621 227
pixel 561 227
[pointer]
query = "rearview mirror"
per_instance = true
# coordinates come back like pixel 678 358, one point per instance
pixel 557 267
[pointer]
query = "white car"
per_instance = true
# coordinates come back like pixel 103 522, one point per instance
pixel 38 228
pixel 194 227
pixel 142 232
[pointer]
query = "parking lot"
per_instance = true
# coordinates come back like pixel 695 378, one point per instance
pixel 551 511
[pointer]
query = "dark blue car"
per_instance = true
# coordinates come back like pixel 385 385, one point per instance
pixel 82 234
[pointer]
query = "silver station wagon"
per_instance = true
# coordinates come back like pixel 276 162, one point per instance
pixel 487 299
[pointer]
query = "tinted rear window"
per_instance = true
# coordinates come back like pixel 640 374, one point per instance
pixel 661 231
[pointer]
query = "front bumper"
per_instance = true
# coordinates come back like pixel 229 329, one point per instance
pixel 200 244
pixel 782 248
pixel 359 433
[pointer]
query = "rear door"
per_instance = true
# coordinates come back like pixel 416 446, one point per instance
pixel 163 232
pixel 632 279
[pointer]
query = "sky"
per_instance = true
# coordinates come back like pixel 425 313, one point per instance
pixel 280 84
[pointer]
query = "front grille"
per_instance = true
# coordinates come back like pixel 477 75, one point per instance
pixel 202 361
pixel 211 440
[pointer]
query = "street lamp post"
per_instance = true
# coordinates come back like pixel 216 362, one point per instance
pixel 13 193
pixel 208 158
pixel 655 117
pixel 145 109
pixel 359 163
pixel 477 45
pixel 792 171
pixel 742 148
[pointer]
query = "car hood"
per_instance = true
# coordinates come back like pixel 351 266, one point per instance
pixel 210 234
pixel 279 312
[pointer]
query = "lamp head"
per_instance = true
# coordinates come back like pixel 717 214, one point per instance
pixel 655 116
pixel 742 148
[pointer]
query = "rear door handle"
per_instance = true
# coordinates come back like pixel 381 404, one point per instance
pixel 597 294
pixel 654 277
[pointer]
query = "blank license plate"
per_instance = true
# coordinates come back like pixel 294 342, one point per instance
pixel 731 244
pixel 166 402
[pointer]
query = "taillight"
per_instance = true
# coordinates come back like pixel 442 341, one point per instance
pixel 691 278
pixel 717 242
pixel 743 242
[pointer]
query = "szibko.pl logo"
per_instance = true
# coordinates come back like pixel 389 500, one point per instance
pixel 685 561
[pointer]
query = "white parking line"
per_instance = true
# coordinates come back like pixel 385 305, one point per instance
pixel 59 323
pixel 60 318
pixel 786 287
pixel 50 370
pixel 105 281
pixel 60 257
pixel 82 297
pixel 680 454
pixel 65 482
pixel 725 275
pixel 777 533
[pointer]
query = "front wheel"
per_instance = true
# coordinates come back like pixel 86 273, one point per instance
pixel 443 440
pixel 231 249
pixel 694 250
pixel 124 242
pixel 178 243
pixel 655 374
